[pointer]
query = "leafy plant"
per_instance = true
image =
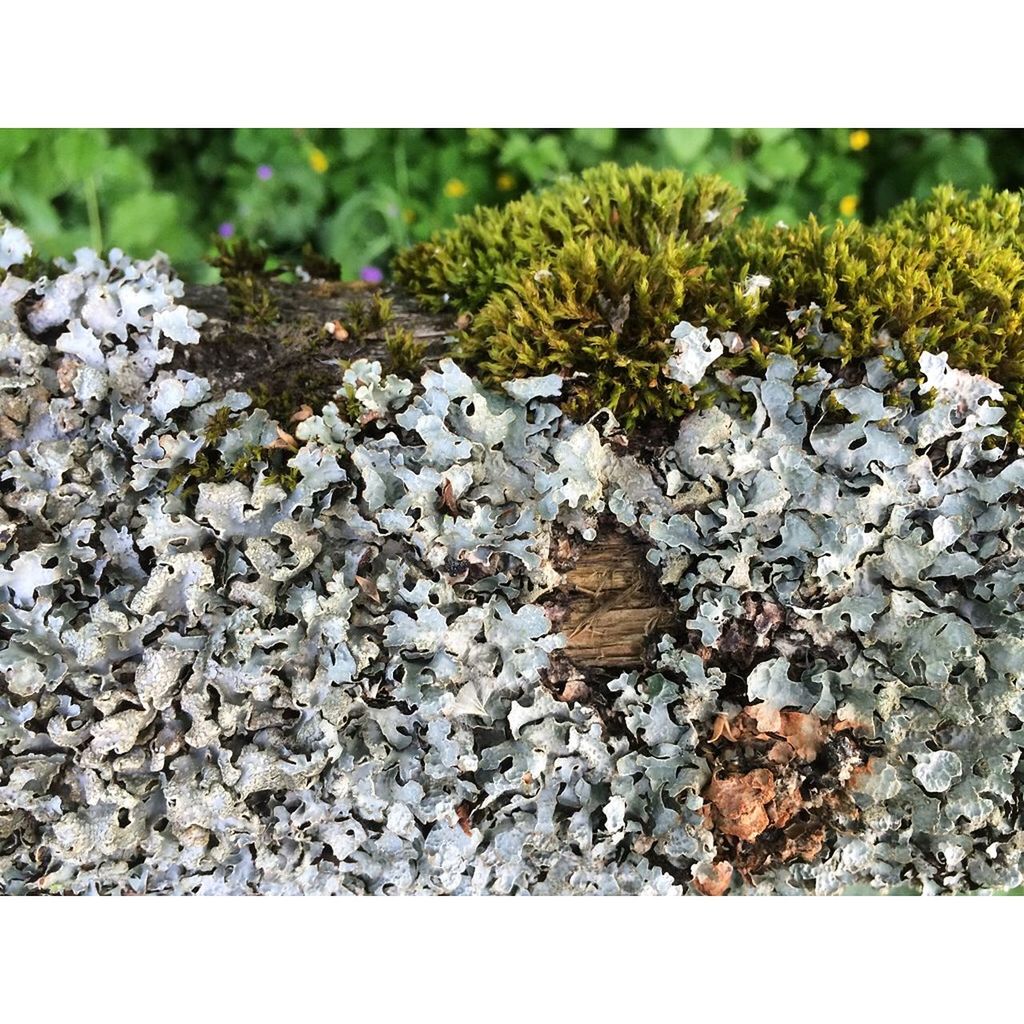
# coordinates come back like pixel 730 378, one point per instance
pixel 360 195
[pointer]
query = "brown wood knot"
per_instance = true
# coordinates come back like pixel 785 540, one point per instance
pixel 610 603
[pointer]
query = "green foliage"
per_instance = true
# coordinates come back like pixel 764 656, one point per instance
pixel 94 187
pixel 589 277
pixel 359 195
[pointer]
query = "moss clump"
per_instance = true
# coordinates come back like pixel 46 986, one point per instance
pixel 245 276
pixel 366 316
pixel 590 276
pixel 318 266
pixel 210 466
pixel 945 274
pixel 405 350
pixel 636 207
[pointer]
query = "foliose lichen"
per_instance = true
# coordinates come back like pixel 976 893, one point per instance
pixel 343 686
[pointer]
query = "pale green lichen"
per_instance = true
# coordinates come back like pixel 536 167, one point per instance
pixel 345 685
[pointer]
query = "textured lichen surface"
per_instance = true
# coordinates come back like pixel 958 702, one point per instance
pixel 593 273
pixel 354 683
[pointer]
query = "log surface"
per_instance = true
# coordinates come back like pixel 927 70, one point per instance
pixel 234 354
pixel 613 606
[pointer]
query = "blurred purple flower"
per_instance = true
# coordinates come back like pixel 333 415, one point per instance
pixel 371 275
pixel 226 230
pixel 264 172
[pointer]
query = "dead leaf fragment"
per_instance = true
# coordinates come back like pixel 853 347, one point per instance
pixel 462 813
pixel 781 752
pixel 738 803
pixel 369 588
pixel 448 502
pixel 303 413
pixel 284 440
pixel 642 844
pixel 765 717
pixel 336 329
pixel 722 727
pixel 574 689
pixel 805 733
pixel 787 803
pixel 804 844
pixel 713 880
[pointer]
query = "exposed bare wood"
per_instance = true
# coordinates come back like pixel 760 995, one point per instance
pixel 613 605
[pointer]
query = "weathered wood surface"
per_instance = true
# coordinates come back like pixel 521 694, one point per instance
pixel 235 355
pixel 612 604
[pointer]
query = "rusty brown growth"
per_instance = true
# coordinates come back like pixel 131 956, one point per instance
pixel 780 786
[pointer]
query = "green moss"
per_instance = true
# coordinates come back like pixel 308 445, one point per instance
pixel 245 276
pixel 209 465
pixel 946 274
pixel 590 276
pixel 405 351
pixel 599 307
pixel 366 316
pixel 307 379
pixel 637 207
pixel 35 266
pixel 349 406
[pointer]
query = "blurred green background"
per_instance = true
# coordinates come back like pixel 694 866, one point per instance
pixel 358 194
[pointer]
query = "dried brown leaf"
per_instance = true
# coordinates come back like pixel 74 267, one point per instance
pixel 713 880
pixel 369 588
pixel 462 813
pixel 781 752
pixel 284 440
pixel 738 803
pixel 788 802
pixel 805 733
pixel 765 717
pixel 804 844
pixel 722 727
pixel 575 689
pixel 448 502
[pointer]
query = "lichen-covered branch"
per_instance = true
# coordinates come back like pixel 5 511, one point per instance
pixel 398 641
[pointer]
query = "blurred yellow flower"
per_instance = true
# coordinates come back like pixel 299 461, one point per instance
pixel 859 139
pixel 317 160
pixel 454 188
pixel 848 205
pixel 506 182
